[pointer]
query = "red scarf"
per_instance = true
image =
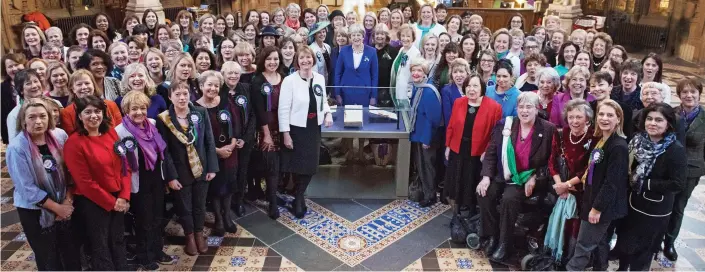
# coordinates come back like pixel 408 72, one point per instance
pixel 294 24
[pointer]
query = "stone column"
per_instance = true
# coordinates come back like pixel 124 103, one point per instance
pixel 567 10
pixel 137 7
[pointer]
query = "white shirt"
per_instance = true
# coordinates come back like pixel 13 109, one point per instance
pixel 294 100
pixel 402 77
pixel 357 58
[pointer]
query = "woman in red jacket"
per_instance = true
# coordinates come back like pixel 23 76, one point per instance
pixel 467 136
pixel 95 157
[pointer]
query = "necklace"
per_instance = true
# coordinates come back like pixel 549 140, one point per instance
pixel 356 51
pixel 570 137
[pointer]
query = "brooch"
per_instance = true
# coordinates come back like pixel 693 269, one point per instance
pixel 318 90
pixel 367 59
pixel 404 58
pixel 266 89
pixel 224 116
pixel 597 155
pixel 120 148
pixel 129 143
pixel 195 118
pixel 49 163
pixel 587 144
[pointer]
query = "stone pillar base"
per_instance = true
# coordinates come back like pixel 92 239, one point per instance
pixel 137 7
pixel 566 13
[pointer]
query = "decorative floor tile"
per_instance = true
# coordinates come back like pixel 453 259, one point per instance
pixel 353 242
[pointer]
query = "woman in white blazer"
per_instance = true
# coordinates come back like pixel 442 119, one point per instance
pixel 401 72
pixel 302 109
pixel 149 160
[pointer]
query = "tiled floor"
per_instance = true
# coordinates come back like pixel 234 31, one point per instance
pixel 345 235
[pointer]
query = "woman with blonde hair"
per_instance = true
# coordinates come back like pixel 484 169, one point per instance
pixel 183 69
pixel 32 40
pixel 155 62
pixel 427 24
pixel 59 83
pixel 42 196
pixel 396 20
pixel 137 79
pixel 83 84
pixel 245 56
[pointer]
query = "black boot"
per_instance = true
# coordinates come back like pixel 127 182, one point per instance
pixel 428 202
pixel 501 253
pixel 228 221
pixel 218 228
pixel 490 246
pixel 299 206
pixel 237 205
pixel 669 250
pixel 254 189
pixel 272 186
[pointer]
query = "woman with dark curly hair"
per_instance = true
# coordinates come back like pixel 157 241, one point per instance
pixel 98 40
pixel 441 75
pixel 102 21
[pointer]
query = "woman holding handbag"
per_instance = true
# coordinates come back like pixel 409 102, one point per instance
pixel 568 161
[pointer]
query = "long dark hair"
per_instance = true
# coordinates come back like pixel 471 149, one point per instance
pixel 443 64
pixel 561 58
pixel 100 34
pixel 92 100
pixel 72 34
pixel 263 55
pixel 144 18
pixel 198 51
pixel 84 62
pixel 220 52
pixel 659 62
pixel 111 25
pixel 474 57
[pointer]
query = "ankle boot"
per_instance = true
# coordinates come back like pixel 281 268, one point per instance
pixel 273 210
pixel 669 250
pixel 299 205
pixel 201 243
pixel 500 254
pixel 237 204
pixel 218 228
pixel 490 246
pixel 228 221
pixel 190 248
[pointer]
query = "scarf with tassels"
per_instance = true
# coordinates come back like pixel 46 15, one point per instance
pixel 51 175
pixel 509 160
pixel 644 152
pixel 189 140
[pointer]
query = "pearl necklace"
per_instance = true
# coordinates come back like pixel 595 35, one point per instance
pixel 570 137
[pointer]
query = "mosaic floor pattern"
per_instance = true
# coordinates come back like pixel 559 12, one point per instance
pixel 353 242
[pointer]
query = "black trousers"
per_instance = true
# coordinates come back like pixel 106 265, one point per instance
pixel 243 174
pixel 640 261
pixel 54 248
pixel 425 163
pixel 190 203
pixel 148 206
pixel 105 231
pixel 674 225
pixel 592 241
pixel 500 217
pixel 271 173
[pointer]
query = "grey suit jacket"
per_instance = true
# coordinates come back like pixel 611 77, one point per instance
pixel 695 145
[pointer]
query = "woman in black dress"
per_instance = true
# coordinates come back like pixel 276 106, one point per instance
pixel 658 169
pixel 302 110
pixel 225 122
pixel 266 86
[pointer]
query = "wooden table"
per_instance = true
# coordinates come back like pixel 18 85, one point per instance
pixel 496 18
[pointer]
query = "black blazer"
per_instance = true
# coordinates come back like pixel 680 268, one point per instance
pixel 666 178
pixel 538 157
pixel 205 146
pixel 8 103
pixel 608 191
pixel 695 145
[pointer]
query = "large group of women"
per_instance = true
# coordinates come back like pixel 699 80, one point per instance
pixel 123 118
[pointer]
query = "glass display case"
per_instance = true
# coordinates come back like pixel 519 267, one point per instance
pixel 370 153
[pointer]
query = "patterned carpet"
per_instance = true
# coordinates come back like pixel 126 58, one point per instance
pixel 344 235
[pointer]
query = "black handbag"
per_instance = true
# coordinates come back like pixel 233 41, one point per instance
pixel 324 158
pixel 563 171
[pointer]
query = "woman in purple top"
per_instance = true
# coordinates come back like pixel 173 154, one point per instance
pixel 576 82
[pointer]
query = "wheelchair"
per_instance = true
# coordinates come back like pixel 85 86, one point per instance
pixel 529 232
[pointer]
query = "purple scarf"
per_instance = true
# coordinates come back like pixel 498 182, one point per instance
pixel 148 139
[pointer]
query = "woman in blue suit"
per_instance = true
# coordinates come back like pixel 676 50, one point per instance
pixel 459 70
pixel 356 66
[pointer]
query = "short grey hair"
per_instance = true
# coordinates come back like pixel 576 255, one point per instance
pixel 231 66
pixel 578 104
pixel 210 73
pixel 551 74
pixel 530 39
pixel 528 98
pixel 356 28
